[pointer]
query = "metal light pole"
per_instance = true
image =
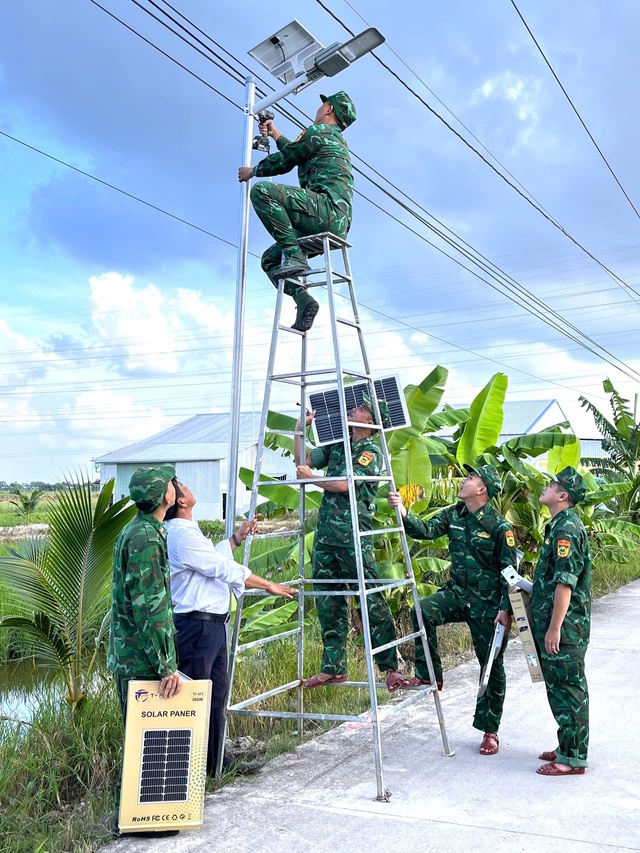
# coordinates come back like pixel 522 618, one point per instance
pixel 238 330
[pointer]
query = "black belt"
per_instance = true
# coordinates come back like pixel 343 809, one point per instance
pixel 206 617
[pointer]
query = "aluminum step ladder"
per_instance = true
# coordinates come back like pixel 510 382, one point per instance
pixel 303 379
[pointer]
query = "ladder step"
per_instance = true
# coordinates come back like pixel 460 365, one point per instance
pixel 386 586
pixel 279 377
pixel 264 640
pixel 293 331
pixel 357 373
pixel 315 242
pixel 279 534
pixel 262 696
pixel 381 531
pixel 339 277
pixel 283 431
pixel 348 322
pixel 394 643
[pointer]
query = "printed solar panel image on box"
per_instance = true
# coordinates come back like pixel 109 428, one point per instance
pixel 327 426
pixel 164 772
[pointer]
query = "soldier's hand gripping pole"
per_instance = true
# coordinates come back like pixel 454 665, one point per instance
pixel 261 142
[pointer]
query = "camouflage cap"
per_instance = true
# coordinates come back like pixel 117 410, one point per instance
pixel 343 108
pixel 571 482
pixel 148 486
pixel 489 476
pixel 384 410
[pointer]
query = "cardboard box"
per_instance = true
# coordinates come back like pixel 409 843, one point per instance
pixel 165 757
pixel 521 607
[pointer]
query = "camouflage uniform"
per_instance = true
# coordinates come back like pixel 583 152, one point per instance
pixel 481 544
pixel 565 558
pixel 141 639
pixel 334 555
pixel 324 200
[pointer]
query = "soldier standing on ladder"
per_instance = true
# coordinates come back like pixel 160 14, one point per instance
pixel 333 554
pixel 323 202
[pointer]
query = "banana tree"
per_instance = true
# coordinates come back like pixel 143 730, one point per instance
pixel 59 587
pixel 622 443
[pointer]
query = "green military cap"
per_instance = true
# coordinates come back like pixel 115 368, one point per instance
pixel 489 476
pixel 343 108
pixel 571 482
pixel 148 486
pixel 384 410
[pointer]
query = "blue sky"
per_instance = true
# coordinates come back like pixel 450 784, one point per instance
pixel 116 320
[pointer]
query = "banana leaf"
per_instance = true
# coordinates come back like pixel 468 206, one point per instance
pixel 486 415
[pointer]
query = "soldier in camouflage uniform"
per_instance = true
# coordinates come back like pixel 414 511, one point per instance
pixel 481 544
pixel 561 605
pixel 141 638
pixel 323 202
pixel 334 554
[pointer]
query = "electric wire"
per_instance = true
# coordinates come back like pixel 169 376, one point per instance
pixel 527 198
pixel 575 109
pixel 523 293
pixel 378 206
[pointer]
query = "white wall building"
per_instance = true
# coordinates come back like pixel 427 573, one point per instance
pixel 199 448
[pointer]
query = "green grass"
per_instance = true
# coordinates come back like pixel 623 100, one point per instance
pixel 609 576
pixel 57 775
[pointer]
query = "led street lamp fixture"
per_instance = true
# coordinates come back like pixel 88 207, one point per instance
pixel 337 57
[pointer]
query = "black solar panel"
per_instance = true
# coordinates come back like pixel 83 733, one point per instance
pixel 164 771
pixel 327 423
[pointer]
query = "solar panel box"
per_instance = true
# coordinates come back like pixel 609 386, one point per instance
pixel 327 424
pixel 165 757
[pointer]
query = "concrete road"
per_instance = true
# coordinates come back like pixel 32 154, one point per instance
pixel 321 798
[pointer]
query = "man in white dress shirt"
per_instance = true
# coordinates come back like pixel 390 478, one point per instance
pixel 201 579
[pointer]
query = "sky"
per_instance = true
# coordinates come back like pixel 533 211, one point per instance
pixel 116 318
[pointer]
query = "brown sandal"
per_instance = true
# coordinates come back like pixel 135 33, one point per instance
pixel 319 681
pixel 549 755
pixel 490 744
pixel 552 769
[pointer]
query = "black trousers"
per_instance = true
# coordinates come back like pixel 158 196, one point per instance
pixel 202 653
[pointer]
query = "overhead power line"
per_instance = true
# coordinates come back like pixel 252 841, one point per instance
pixel 514 290
pixel 575 109
pixel 525 306
pixel 506 285
pixel 118 189
pixel 525 195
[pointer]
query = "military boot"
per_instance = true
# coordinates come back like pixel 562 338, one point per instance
pixel 306 310
pixel 292 265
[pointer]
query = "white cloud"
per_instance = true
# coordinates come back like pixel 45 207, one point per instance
pixel 525 95
pixel 135 321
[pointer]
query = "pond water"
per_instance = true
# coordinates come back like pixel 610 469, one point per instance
pixel 20 689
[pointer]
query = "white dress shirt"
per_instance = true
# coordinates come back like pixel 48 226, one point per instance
pixel 201 574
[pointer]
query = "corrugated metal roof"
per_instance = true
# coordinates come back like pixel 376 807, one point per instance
pixel 202 437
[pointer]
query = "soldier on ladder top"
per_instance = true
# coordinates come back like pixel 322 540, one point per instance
pixel 334 555
pixel 323 202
